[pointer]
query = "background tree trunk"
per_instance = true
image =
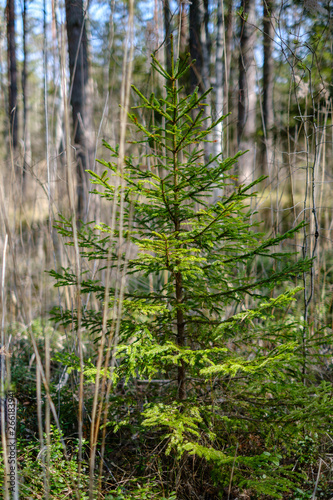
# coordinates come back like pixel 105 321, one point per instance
pixel 200 51
pixel 199 45
pixel 184 28
pixel 247 101
pixel 26 131
pixel 80 97
pixel 219 70
pixel 167 31
pixel 268 69
pixel 228 31
pixel 219 84
pixel 12 73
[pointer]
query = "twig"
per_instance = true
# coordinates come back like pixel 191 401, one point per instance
pixel 232 472
pixel 317 480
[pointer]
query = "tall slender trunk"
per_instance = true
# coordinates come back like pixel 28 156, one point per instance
pixel 181 378
pixel 200 51
pixel 183 29
pixel 80 98
pixel 167 31
pixel 247 101
pixel 12 74
pixel 268 74
pixel 178 277
pixel 26 133
pixel 58 130
pixel 228 32
pixel 219 70
pixel 199 45
pixel 217 146
pixel 58 136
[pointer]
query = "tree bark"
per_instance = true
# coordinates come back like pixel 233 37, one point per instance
pixel 183 28
pixel 26 133
pixel 199 45
pixel 268 74
pixel 247 101
pixel 167 31
pixel 80 98
pixel 229 23
pixel 219 69
pixel 200 51
pixel 217 146
pixel 12 74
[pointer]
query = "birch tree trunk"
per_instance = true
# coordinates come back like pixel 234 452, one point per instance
pixel 219 70
pixel 80 98
pixel 246 127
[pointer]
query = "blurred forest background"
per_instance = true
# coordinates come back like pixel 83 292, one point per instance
pixel 269 66
pixel 64 69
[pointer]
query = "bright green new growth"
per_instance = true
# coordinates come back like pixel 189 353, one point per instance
pixel 185 321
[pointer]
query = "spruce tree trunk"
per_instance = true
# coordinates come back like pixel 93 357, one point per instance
pixel 180 324
pixel 268 69
pixel 180 337
pixel 12 74
pixel 247 101
pixel 80 98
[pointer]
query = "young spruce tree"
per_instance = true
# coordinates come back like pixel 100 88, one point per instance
pixel 206 317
